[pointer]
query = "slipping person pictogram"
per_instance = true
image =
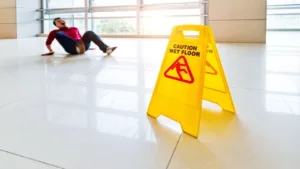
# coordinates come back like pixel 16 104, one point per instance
pixel 183 71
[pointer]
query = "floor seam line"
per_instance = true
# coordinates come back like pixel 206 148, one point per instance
pixel 10 103
pixel 288 104
pixel 174 151
pixel 32 159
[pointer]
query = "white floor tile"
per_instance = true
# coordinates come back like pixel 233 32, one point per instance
pixel 78 136
pixel 9 161
pixel 90 111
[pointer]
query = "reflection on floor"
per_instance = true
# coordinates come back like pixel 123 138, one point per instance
pixel 88 112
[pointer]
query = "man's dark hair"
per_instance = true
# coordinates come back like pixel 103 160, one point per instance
pixel 55 20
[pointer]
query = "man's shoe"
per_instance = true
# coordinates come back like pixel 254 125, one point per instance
pixel 110 50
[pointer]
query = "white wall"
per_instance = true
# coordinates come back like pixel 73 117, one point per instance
pixel 238 20
pixel 18 18
pixel 27 26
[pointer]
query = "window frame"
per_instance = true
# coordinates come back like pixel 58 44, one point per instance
pixel 274 11
pixel 88 9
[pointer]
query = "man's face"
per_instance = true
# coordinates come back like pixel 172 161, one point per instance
pixel 60 23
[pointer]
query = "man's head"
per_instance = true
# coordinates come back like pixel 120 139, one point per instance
pixel 59 22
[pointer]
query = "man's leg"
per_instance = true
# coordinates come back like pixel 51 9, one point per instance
pixel 90 36
pixel 66 42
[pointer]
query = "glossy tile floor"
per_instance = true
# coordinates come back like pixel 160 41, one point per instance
pixel 89 112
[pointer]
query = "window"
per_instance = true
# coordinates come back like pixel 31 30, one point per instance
pixel 124 17
pixel 280 2
pixel 75 19
pixel 114 26
pixel 164 25
pixel 160 22
pixel 168 12
pixel 288 22
pixel 65 3
pixel 114 14
pixel 283 15
pixel 114 22
pixel 167 1
pixel 113 2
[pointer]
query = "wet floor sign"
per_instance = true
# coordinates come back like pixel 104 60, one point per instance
pixel 191 72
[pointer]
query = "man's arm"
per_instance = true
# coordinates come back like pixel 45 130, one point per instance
pixel 79 33
pixel 49 41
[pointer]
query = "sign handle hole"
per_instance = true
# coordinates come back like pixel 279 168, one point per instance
pixel 191 34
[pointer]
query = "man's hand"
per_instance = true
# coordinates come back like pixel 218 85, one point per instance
pixel 48 54
pixel 50 51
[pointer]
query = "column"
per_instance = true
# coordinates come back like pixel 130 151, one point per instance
pixel 8 27
pixel 241 21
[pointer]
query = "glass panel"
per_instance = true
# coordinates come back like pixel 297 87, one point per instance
pixel 164 25
pixel 283 11
pixel 287 14
pixel 114 26
pixel 167 1
pixel 280 2
pixel 171 12
pixel 46 26
pixel 283 22
pixel 113 2
pixel 69 18
pixel 65 3
pixel 114 14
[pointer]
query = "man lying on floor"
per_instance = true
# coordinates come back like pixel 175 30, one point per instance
pixel 72 41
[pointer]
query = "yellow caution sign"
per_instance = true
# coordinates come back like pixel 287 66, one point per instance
pixel 191 72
